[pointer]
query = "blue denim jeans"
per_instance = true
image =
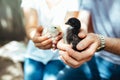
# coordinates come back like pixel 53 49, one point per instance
pixel 96 69
pixel 35 70
pixel 108 70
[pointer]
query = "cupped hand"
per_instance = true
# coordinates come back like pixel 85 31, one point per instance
pixel 45 42
pixel 41 41
pixel 87 47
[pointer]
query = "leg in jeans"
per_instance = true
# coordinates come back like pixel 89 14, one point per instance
pixel 33 70
pixel 52 69
pixel 69 73
pixel 116 73
pixel 87 71
pixel 108 70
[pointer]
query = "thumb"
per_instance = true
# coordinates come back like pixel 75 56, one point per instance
pixel 82 33
pixel 40 29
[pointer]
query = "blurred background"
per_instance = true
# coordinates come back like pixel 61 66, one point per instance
pixel 12 40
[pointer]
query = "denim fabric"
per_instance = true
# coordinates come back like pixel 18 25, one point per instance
pixel 108 70
pixel 35 70
pixel 96 69
pixel 87 71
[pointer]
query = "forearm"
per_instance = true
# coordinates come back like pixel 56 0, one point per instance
pixel 31 23
pixel 31 32
pixel 112 45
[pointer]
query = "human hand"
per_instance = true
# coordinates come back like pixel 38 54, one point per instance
pixel 44 41
pixel 41 41
pixel 54 32
pixel 87 47
pixel 55 41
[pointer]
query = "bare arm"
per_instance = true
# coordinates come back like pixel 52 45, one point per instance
pixel 34 31
pixel 89 46
pixel 31 23
pixel 113 45
pixel 67 54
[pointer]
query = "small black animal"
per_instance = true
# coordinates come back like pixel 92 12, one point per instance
pixel 72 32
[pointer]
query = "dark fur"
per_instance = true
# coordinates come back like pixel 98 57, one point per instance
pixel 72 33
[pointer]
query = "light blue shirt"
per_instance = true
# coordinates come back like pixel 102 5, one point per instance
pixel 106 21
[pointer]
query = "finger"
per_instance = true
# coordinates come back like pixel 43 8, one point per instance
pixel 83 44
pixel 76 64
pixel 74 54
pixel 58 38
pixel 71 61
pixel 54 46
pixel 60 52
pixel 88 59
pixel 46 47
pixel 82 33
pixel 82 55
pixel 80 63
pixel 40 29
pixel 89 52
pixel 40 39
pixel 63 59
pixel 44 43
pixel 68 60
pixel 62 46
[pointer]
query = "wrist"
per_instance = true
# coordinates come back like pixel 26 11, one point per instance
pixel 102 42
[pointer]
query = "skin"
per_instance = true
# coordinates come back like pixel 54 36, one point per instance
pixel 34 31
pixel 88 45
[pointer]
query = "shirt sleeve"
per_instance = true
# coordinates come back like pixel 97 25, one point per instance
pixel 28 4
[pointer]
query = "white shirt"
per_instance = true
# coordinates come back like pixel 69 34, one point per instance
pixel 48 16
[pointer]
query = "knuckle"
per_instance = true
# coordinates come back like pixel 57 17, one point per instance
pixel 89 59
pixel 76 64
pixel 42 44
